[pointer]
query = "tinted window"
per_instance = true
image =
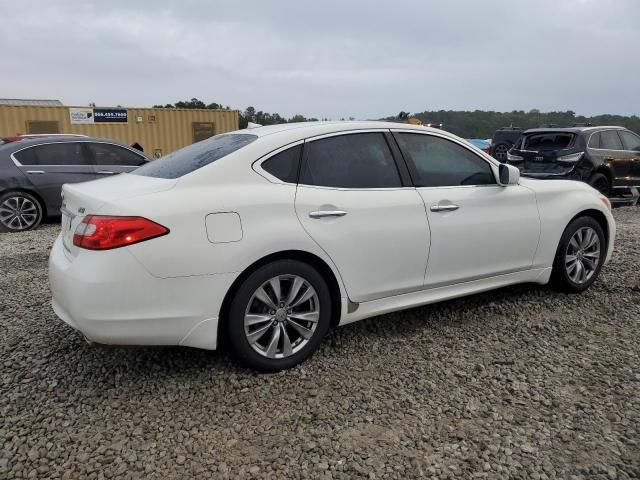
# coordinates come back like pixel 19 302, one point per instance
pixel 360 160
pixel 609 140
pixel 52 154
pixel 107 154
pixel 439 162
pixel 195 156
pixel 284 165
pixel 594 141
pixel 631 141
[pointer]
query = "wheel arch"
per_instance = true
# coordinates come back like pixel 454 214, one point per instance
pixel 315 261
pixel 599 217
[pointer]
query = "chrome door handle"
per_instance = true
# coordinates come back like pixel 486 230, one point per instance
pixel 35 172
pixel 327 213
pixel 444 208
pixel 104 172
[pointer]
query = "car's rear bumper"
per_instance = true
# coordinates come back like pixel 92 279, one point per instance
pixel 112 299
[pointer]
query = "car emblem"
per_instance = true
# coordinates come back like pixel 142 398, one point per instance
pixel 539 159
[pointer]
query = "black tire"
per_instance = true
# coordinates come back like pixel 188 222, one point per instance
pixel 26 205
pixel 600 182
pixel 560 275
pixel 237 337
pixel 499 152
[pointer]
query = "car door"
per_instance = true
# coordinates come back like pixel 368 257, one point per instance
pixel 478 228
pixel 111 159
pixel 631 144
pixel 352 201
pixel 613 155
pixel 50 165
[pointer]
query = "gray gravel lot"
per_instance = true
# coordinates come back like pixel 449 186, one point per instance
pixel 522 382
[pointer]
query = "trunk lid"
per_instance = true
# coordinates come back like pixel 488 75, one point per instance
pixel 82 199
pixel 540 151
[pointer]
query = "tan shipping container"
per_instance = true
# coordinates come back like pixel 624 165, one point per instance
pixel 158 130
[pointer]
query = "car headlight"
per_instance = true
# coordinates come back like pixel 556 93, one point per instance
pixel 514 158
pixel 572 158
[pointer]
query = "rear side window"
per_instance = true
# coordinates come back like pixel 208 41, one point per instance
pixel 547 141
pixel 594 140
pixel 193 157
pixel 610 140
pixel 630 140
pixel 437 162
pixel 53 154
pixel 108 154
pixel 284 165
pixel 359 160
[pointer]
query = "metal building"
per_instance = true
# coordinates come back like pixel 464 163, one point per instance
pixel 157 130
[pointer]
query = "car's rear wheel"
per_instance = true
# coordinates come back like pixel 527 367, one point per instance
pixel 279 315
pixel 600 182
pixel 580 255
pixel 19 211
pixel 500 152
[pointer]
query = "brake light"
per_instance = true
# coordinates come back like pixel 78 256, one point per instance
pixel 99 232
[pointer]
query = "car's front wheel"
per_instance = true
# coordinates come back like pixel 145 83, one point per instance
pixel 580 255
pixel 19 211
pixel 279 315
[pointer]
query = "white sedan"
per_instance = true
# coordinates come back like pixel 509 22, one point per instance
pixel 265 238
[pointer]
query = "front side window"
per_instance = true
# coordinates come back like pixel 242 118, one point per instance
pixel 52 154
pixel 630 140
pixel 609 140
pixel 193 157
pixel 284 165
pixel 437 162
pixel 358 160
pixel 108 154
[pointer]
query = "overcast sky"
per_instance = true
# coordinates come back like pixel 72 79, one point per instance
pixel 329 58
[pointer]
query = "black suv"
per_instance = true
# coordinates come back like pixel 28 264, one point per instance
pixel 503 139
pixel 32 171
pixel 607 158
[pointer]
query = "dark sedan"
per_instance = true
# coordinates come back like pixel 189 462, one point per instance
pixel 33 170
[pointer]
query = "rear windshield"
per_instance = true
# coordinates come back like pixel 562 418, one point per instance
pixel 195 156
pixel 546 141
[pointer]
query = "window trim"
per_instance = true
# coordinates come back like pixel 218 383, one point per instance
pixel 414 174
pixel 382 131
pixel 257 164
pixel 18 164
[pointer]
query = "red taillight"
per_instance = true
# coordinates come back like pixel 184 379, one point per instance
pixel 98 232
pixel 487 150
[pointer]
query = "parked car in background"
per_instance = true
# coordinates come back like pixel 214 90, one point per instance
pixel 607 158
pixel 503 139
pixel 33 170
pixel 484 145
pixel 265 238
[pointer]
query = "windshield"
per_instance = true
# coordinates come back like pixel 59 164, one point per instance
pixel 195 156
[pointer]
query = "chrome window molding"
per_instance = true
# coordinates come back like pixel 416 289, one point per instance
pixel 18 164
pixel 610 149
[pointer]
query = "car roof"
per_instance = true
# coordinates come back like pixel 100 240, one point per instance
pixel 310 129
pixel 30 141
pixel 572 129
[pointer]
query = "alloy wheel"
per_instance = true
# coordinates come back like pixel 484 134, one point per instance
pixel 500 152
pixel 18 213
pixel 583 255
pixel 282 316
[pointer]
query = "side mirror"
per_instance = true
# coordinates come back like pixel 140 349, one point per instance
pixel 509 175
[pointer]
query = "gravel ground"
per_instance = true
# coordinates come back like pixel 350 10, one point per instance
pixel 522 382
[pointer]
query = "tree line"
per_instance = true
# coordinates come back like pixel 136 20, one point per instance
pixel 466 124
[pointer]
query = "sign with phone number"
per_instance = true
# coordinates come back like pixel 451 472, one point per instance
pixel 98 115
